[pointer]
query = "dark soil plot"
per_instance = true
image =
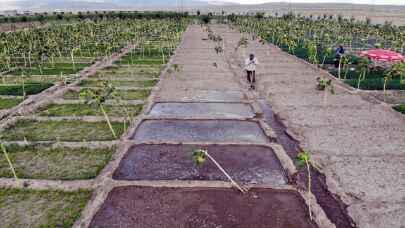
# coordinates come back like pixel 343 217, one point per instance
pixel 192 208
pixel 246 164
pixel 43 162
pixel 200 131
pixel 93 83
pixel 6 103
pixel 29 89
pixel 88 110
pixel 124 94
pixel 400 108
pixel 32 130
pixel 231 110
pixel 28 208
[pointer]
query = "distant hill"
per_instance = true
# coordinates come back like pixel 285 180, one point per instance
pixel 82 5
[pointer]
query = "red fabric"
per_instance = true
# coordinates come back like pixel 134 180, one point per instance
pixel 383 55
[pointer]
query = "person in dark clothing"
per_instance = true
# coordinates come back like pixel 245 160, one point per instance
pixel 340 51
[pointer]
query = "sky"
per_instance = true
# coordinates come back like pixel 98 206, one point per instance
pixel 8 4
pixel 389 2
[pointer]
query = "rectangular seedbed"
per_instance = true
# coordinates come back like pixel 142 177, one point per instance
pixel 246 164
pixel 6 103
pixel 229 110
pixel 18 89
pixel 200 131
pixel 88 110
pixel 201 207
pixel 61 163
pixel 33 130
pixel 64 68
pixel 29 208
pixel 377 84
pixel 94 83
pixel 12 79
pixel 140 94
pixel 120 70
pixel 148 61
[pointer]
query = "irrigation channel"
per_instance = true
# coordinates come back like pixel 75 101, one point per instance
pixel 206 104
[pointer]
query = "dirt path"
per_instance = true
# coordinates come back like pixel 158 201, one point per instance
pixel 359 144
pixel 201 104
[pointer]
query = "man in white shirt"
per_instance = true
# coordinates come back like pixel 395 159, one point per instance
pixel 250 67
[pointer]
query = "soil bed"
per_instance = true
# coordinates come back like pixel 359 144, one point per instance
pixel 199 207
pixel 200 131
pixel 230 110
pixel 42 162
pixel 27 208
pixel 246 164
pixel 32 130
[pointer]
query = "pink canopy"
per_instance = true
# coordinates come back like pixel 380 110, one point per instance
pixel 382 55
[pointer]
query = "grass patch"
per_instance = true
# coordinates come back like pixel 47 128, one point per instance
pixel 94 83
pixel 376 84
pixel 88 110
pixel 48 69
pixel 134 94
pixel 30 79
pixel 136 61
pixel 70 131
pixel 124 94
pixel 30 89
pixel 20 208
pixel 6 103
pixel 110 75
pixel 400 108
pixel 41 162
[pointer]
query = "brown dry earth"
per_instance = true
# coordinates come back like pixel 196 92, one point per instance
pixel 152 181
pixel 358 141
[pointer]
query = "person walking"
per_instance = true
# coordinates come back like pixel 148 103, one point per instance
pixel 250 67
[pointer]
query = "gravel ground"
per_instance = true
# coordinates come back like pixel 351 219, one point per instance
pixel 359 143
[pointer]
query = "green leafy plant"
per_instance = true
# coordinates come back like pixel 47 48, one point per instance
pixel 218 49
pixel 363 67
pixel 97 98
pixel 200 157
pixel 304 160
pixel 243 42
pixel 323 84
pixel 312 52
pixel 176 67
pixel 3 148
